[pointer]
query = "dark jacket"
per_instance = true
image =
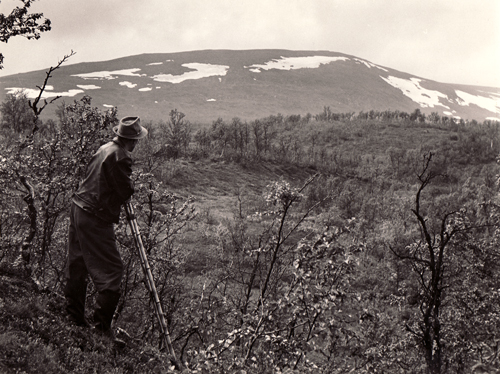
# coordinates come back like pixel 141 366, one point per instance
pixel 107 184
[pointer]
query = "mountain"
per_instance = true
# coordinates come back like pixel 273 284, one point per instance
pixel 252 84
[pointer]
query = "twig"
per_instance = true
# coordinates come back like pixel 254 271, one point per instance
pixel 34 105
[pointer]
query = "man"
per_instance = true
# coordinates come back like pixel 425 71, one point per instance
pixel 95 208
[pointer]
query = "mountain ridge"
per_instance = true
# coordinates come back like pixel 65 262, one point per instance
pixel 252 84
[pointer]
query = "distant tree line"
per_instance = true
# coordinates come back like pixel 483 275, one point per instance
pixel 288 139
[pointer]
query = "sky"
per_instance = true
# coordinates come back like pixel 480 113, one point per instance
pixel 450 41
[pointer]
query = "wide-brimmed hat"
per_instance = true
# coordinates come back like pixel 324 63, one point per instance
pixel 130 128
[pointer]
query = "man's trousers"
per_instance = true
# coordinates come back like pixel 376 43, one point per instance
pixel 92 251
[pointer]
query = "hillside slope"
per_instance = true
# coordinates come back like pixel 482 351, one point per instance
pixel 370 177
pixel 35 337
pixel 252 84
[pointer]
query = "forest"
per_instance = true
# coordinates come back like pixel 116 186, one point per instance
pixel 327 243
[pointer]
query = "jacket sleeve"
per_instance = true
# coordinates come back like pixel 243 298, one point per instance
pixel 121 179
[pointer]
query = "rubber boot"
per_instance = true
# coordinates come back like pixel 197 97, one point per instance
pixel 75 292
pixel 105 309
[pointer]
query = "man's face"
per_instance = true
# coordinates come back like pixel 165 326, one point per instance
pixel 130 144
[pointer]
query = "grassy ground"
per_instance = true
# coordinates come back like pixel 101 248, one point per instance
pixel 217 185
pixel 35 337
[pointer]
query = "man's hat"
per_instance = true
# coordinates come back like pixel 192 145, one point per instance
pixel 130 128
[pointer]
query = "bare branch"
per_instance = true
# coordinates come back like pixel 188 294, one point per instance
pixel 34 105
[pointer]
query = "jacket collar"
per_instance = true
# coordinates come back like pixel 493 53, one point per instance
pixel 119 142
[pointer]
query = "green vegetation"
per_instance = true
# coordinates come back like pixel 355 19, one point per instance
pixel 329 243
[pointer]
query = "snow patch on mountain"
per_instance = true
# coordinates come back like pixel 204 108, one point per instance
pixel 88 86
pixel 412 89
pixel 369 64
pixel 292 63
pixel 199 71
pixel 451 114
pixel 128 84
pixel 145 89
pixel 491 103
pixel 32 93
pixel 110 74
